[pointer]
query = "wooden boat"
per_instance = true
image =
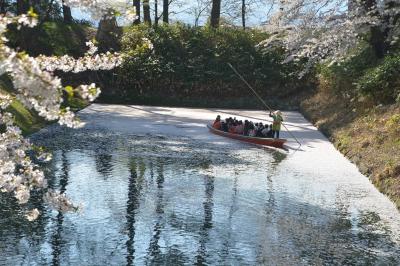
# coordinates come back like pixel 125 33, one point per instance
pixel 277 143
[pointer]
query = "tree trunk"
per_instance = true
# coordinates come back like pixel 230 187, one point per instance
pixel 244 14
pixel 108 35
pixel 166 11
pixel 156 12
pixel 3 6
pixel 67 13
pixel 377 38
pixel 215 13
pixel 136 4
pixel 22 7
pixel 146 12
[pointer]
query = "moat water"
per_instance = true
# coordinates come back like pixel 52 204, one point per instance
pixel 152 199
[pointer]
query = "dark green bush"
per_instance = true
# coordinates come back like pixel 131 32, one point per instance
pixel 51 38
pixel 383 81
pixel 190 64
pixel 342 76
pixel 362 74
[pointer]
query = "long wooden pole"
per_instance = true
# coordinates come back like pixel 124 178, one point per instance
pixel 261 100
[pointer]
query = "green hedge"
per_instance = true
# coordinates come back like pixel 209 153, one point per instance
pixel 383 81
pixel 190 64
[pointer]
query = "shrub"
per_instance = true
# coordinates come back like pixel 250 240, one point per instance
pixel 191 63
pixel 51 38
pixel 383 81
pixel 341 76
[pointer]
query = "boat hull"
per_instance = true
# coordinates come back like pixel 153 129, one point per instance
pixel 277 143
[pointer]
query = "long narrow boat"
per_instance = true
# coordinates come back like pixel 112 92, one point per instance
pixel 277 143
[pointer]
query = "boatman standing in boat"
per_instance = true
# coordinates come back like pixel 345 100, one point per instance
pixel 276 125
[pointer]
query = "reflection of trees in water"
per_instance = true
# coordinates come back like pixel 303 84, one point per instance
pixel 277 158
pixel 317 235
pixel 56 239
pixel 151 172
pixel 232 210
pixel 154 252
pixel 207 224
pixel 132 205
pixel 14 227
pixel 104 164
pixel 314 233
pixel 270 205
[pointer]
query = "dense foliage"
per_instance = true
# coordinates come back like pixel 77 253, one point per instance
pixel 179 63
pixel 363 75
pixel 383 81
pixel 52 38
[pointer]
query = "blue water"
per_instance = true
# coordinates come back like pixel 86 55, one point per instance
pixel 153 199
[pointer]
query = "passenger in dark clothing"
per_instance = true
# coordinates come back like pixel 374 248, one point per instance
pixel 259 130
pixel 270 133
pixel 246 128
pixel 224 125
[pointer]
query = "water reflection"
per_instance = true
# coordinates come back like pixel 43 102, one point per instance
pixel 155 200
pixel 104 164
pixel 153 252
pixel 56 239
pixel 208 215
pixel 131 207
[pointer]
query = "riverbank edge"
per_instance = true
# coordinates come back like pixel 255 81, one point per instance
pixel 368 136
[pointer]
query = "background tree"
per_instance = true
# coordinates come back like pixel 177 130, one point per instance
pixel 4 4
pixel 146 12
pixel 244 14
pixel 67 13
pixel 165 13
pixel 215 13
pixel 108 34
pixel 136 4
pixel 199 9
pixel 156 18
pixel 22 6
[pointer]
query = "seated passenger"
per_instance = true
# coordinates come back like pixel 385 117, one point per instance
pixel 270 133
pixel 240 128
pixel 246 128
pixel 232 128
pixel 224 125
pixel 259 130
pixel 264 132
pixel 217 123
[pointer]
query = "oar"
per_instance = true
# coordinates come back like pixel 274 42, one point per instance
pixel 262 101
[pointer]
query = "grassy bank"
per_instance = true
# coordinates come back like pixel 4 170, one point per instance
pixel 28 120
pixel 367 135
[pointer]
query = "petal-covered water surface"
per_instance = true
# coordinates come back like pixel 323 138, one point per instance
pixel 175 200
